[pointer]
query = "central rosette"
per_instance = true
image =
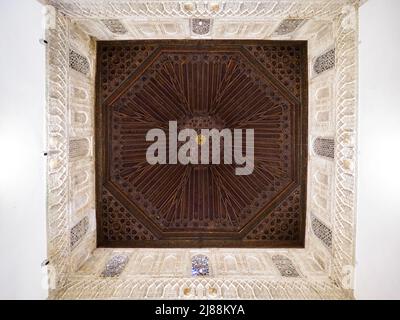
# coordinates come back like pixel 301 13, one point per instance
pixel 204 122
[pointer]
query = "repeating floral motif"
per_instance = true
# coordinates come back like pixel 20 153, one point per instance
pixel 343 239
pixel 199 288
pixel 324 147
pixel 200 265
pixel 321 231
pixel 57 161
pixel 78 62
pixel 284 62
pixel 201 26
pixel 324 62
pixel 166 274
pixel 233 9
pixel 285 266
pixel 283 224
pixel 78 231
pixel 117 224
pixel 118 66
pixel 69 178
pixel 115 266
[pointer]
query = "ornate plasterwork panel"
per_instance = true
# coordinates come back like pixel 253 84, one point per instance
pixel 168 274
pixel 115 265
pixel 57 161
pixel 324 147
pixel 325 9
pixel 324 62
pixel 288 26
pixel 70 191
pixel 200 26
pixel 151 19
pixel 200 266
pixel 324 272
pixel 115 26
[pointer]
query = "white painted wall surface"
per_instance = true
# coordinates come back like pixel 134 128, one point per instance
pixel 22 166
pixel 22 171
pixel 378 219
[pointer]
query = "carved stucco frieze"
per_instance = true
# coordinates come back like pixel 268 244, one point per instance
pixel 70 179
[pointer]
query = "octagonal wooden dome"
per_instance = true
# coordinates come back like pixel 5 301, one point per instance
pixel 258 85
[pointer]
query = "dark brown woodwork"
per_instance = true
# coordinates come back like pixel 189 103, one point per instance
pixel 142 85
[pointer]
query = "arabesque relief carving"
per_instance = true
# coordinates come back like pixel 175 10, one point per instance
pixel 323 268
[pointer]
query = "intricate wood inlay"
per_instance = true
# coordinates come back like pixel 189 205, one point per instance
pixel 142 85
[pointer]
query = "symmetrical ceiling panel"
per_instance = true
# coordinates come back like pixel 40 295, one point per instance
pixel 260 85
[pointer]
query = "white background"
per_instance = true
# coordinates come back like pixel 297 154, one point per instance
pixel 22 171
pixel 378 218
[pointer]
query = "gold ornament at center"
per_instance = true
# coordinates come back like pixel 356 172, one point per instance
pixel 200 139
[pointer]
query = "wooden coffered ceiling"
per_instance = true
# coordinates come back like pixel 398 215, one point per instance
pixel 201 84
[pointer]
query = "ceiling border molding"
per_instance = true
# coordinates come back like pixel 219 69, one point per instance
pixel 106 9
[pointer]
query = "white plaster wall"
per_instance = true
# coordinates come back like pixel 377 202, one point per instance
pixel 378 219
pixel 22 182
pixel 22 166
